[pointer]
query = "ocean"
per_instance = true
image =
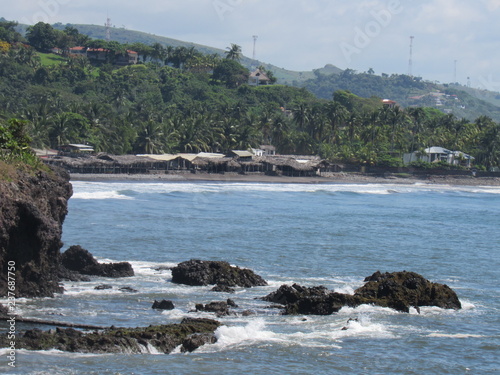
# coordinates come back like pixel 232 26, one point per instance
pixel 311 234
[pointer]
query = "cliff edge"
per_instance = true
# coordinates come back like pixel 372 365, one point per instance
pixel 33 205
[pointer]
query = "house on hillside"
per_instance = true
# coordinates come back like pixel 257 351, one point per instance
pixel 101 55
pixel 389 103
pixel 258 77
pixel 437 154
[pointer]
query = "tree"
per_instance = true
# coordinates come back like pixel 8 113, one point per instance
pixel 231 73
pixel 42 36
pixel 233 52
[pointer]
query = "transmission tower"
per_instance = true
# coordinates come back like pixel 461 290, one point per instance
pixel 108 29
pixel 254 45
pixel 410 62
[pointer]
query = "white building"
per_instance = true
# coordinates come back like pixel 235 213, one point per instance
pixel 437 154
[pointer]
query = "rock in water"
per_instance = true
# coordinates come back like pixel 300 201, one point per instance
pixel 164 338
pixel 199 272
pixel 163 305
pixel 32 210
pixel 402 290
pixel 397 290
pixel 80 260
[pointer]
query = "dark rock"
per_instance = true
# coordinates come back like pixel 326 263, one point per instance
pixel 198 273
pixel 231 303
pixel 397 290
pixel 65 274
pixel 79 260
pixel 163 305
pixel 290 294
pixel 32 209
pixel 190 333
pixel 128 289
pixel 223 289
pixel 103 287
pixel 402 290
pixel 4 310
pixel 219 308
pixel 193 342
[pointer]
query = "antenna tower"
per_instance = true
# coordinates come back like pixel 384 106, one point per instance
pixel 410 63
pixel 254 45
pixel 108 29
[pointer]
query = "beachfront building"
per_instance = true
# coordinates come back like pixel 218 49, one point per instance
pixel 437 154
pixel 75 149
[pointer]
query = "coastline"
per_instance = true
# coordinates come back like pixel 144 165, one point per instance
pixel 340 178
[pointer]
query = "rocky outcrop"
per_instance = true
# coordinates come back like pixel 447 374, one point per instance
pixel 79 260
pixel 190 333
pixel 163 305
pixel 402 290
pixel 33 206
pixel 397 290
pixel 220 308
pixel 199 272
pixel 316 300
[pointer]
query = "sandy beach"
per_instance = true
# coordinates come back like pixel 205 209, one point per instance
pixel 341 178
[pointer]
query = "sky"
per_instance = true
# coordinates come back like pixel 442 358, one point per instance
pixel 453 40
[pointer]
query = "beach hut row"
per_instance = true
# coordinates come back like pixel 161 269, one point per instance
pixel 236 162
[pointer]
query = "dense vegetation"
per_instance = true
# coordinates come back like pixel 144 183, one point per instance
pixel 181 100
pixel 407 91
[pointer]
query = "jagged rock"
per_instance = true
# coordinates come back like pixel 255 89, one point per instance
pixel 220 308
pixel 79 260
pixel 128 289
pixel 103 287
pixel 193 342
pixel 223 289
pixel 65 274
pixel 32 209
pixel 199 272
pixel 164 338
pixel 163 305
pixel 402 290
pixel 290 294
pixel 4 310
pixel 397 290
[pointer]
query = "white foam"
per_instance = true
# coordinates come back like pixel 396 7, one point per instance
pixel 253 332
pixel 100 195
pixel 454 335
pixel 100 190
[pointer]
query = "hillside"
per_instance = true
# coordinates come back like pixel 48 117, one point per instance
pixel 204 103
pixel 123 35
pixel 461 101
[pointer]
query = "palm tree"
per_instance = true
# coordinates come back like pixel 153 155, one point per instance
pixel 234 52
pixel 150 138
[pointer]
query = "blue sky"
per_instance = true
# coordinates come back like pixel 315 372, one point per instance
pixel 308 34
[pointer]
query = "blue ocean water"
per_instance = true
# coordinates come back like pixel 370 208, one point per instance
pixel 312 234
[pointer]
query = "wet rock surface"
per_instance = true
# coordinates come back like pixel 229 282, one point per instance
pixel 190 333
pixel 397 290
pixel 77 259
pixel 199 273
pixel 32 209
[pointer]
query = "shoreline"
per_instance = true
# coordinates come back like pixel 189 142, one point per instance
pixel 340 178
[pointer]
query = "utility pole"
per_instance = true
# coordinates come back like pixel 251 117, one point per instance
pixel 108 29
pixel 254 45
